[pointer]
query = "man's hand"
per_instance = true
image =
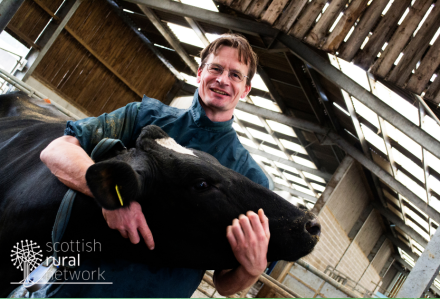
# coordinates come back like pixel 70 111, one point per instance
pixel 249 239
pixel 129 222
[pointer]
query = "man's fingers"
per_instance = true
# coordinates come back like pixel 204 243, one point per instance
pixel 237 231
pixel 134 236
pixel 147 235
pixel 123 233
pixel 265 222
pixel 246 225
pixel 230 236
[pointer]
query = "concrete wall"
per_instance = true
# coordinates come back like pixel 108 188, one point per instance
pixel 349 198
pixel 351 235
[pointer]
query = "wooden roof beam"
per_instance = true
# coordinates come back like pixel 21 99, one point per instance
pixel 304 52
pixel 150 45
pixel 170 38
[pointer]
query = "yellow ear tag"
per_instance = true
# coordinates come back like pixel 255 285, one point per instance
pixel 119 196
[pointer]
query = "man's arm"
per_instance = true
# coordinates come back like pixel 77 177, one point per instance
pixel 249 238
pixel 69 163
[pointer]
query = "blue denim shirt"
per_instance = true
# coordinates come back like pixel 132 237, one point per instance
pixel 190 128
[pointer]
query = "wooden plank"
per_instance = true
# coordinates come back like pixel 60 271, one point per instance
pixel 52 5
pixel 257 7
pixel 241 5
pixel 83 25
pixel 418 81
pixel 344 25
pixel 122 97
pixel 112 30
pixel 288 17
pixel 416 48
pixel 99 75
pixel 23 36
pixel 71 70
pixel 94 103
pixel 46 9
pixel 43 67
pixel 433 92
pixel 129 60
pixel 64 96
pixel 30 19
pixel 109 100
pixel 273 11
pixel 319 32
pixel 368 20
pixel 70 86
pixel 69 64
pixel 400 38
pixel 381 34
pixel 307 19
pixel 79 55
pixel 109 67
pixel 86 93
pixel 58 55
pixel 106 97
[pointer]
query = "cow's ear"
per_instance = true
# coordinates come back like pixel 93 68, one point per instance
pixel 149 134
pixel 102 179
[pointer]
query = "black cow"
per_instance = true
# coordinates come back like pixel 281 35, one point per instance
pixel 188 200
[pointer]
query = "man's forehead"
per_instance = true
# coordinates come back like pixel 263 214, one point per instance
pixel 223 57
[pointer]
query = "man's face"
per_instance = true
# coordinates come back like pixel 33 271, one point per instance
pixel 219 93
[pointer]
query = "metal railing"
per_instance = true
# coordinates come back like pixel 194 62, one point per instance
pixel 17 84
pixel 347 282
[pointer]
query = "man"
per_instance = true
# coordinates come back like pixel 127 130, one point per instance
pixel 228 65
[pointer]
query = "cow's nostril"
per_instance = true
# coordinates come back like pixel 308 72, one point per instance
pixel 313 227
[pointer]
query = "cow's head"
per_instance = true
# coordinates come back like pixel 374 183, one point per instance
pixel 189 199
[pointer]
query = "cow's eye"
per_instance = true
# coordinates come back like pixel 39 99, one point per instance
pixel 201 185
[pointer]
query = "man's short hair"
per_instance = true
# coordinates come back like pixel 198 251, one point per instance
pixel 245 52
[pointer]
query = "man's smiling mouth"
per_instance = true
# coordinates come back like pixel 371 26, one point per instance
pixel 219 91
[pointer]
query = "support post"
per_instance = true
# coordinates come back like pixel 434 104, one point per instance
pixel 424 272
pixel 8 8
pixel 48 37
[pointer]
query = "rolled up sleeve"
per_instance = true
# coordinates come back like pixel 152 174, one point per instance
pixel 118 124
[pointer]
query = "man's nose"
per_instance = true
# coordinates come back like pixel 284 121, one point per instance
pixel 223 78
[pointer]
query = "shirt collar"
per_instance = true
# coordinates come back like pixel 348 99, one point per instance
pixel 202 121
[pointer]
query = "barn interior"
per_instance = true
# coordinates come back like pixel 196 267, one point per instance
pixel 342 115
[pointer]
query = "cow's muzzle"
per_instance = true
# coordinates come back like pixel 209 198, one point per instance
pixel 313 227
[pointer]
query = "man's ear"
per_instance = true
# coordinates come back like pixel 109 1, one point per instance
pixel 102 179
pixel 246 91
pixel 199 74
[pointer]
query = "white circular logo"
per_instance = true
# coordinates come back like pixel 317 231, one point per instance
pixel 26 253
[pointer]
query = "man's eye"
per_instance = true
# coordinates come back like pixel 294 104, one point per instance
pixel 236 75
pixel 216 69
